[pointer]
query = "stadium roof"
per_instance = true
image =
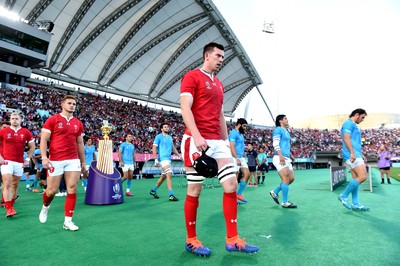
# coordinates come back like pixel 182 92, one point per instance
pixel 138 48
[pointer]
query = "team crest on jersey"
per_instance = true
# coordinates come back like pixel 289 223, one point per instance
pixel 208 86
pixel 60 125
pixel 195 156
pixel 22 136
pixel 76 128
pixel 9 135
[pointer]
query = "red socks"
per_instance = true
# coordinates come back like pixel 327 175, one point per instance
pixel 190 210
pixel 46 199
pixel 229 204
pixel 8 205
pixel 69 205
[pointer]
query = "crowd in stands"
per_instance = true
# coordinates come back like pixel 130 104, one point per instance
pixel 143 123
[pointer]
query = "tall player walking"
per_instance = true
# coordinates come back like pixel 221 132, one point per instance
pixel 67 157
pixel 202 96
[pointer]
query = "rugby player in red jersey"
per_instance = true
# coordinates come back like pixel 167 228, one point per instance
pixel 66 158
pixel 14 139
pixel 202 97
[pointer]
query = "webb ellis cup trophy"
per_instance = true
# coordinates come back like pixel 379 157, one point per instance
pixel 104 181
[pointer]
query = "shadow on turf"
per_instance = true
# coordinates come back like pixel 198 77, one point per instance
pixel 287 222
pixel 378 224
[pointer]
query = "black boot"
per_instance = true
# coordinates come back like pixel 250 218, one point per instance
pixel 383 181
pixel 389 181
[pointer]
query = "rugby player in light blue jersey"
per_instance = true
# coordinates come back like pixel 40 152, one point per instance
pixel 352 155
pixel 163 146
pixel 40 173
pixel 237 145
pixel 126 155
pixel 90 156
pixel 282 161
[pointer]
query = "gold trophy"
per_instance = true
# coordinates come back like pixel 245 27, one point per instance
pixel 105 160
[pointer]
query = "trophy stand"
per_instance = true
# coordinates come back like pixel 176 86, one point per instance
pixel 104 181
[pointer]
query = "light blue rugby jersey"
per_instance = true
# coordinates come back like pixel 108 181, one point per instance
pixel 238 138
pixel 38 160
pixel 89 151
pixel 284 140
pixel 127 152
pixel 164 145
pixel 349 127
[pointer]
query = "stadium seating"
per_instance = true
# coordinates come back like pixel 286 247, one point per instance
pixel 143 123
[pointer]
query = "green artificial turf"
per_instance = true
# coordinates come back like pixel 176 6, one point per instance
pixel 147 231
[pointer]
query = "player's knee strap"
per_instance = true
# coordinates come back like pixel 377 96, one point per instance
pixel 227 171
pixel 167 171
pixel 194 178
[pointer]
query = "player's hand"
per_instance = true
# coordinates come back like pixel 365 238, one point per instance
pixel 228 144
pixel 352 158
pixel 156 162
pixel 26 163
pixel 200 143
pixel 83 168
pixel 238 162
pixel 282 160
pixel 46 163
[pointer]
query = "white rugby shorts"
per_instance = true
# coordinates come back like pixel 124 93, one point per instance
pixel 279 166
pixel 59 167
pixel 13 168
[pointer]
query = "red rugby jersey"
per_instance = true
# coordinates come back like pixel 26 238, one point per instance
pixel 13 142
pixel 63 138
pixel 208 97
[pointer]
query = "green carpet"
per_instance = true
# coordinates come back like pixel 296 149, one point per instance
pixel 146 231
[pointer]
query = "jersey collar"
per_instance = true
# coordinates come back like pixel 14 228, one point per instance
pixel 15 129
pixel 66 118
